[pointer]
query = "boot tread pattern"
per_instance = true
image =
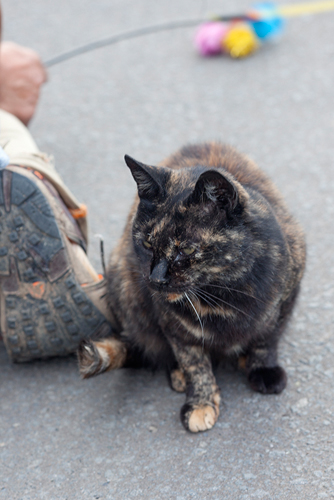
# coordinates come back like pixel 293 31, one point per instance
pixel 43 309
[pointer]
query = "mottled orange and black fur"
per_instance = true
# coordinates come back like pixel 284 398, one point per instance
pixel 209 265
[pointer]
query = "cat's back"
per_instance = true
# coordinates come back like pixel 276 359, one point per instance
pixel 216 155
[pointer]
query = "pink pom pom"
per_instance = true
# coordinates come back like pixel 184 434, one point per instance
pixel 209 36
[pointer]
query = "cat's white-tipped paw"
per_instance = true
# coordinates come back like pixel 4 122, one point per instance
pixel 98 357
pixel 202 419
pixel 199 418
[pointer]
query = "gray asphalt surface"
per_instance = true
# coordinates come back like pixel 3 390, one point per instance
pixel 118 436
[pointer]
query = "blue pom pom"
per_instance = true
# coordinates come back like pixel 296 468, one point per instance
pixel 266 21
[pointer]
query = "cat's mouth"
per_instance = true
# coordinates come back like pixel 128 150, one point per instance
pixel 175 297
pixel 170 292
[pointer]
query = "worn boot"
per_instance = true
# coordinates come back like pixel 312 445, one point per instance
pixel 50 296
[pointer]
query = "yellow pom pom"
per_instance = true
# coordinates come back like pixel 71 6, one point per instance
pixel 240 41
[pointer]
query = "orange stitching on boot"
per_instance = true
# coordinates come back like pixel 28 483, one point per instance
pixel 37 289
pixel 100 276
pixel 79 213
pixel 38 174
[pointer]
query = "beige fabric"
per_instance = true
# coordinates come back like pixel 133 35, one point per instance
pixel 17 142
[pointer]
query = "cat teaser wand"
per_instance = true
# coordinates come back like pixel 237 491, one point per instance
pixel 241 35
pixel 237 36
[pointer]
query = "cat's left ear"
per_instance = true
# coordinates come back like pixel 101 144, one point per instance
pixel 213 187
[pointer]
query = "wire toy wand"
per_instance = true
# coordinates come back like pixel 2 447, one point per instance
pixel 236 35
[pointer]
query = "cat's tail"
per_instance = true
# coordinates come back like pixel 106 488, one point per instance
pixel 99 356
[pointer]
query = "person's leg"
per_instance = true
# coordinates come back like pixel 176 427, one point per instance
pixel 50 296
pixel 21 148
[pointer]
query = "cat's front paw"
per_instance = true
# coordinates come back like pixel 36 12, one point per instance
pixel 268 380
pixel 196 417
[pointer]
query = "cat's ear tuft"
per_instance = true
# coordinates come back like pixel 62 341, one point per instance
pixel 213 187
pixel 149 187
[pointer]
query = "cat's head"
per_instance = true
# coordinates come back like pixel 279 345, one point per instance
pixel 188 230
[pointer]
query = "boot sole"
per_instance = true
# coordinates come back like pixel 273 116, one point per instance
pixel 44 311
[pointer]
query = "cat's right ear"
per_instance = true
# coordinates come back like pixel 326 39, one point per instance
pixel 147 179
pixel 214 189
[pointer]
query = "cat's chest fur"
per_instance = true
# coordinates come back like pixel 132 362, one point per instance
pixel 223 324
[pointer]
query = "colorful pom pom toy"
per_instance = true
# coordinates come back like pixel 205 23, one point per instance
pixel 241 35
pixel 240 40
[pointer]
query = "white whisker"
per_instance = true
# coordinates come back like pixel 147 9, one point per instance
pixel 214 298
pixel 229 289
pixel 198 316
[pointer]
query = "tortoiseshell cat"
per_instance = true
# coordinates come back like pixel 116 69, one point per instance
pixel 209 265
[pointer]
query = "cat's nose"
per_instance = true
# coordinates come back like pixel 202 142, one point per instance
pixel 158 274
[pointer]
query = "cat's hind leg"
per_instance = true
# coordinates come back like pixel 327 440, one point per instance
pixel 96 357
pixel 263 372
pixel 268 380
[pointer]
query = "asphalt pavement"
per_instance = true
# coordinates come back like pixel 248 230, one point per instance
pixel 119 436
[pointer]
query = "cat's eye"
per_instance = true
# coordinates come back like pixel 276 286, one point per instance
pixel 188 251
pixel 147 244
